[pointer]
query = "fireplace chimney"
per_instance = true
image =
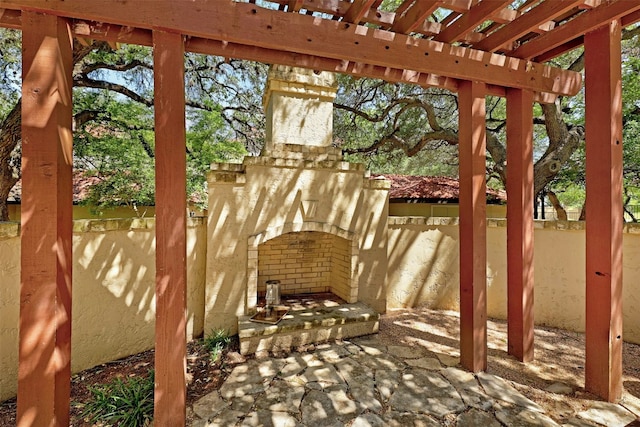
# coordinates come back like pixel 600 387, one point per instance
pixel 298 104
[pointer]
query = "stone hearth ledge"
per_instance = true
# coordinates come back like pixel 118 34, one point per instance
pixel 302 327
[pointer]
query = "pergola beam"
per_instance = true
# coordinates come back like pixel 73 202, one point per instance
pixel 10 18
pixel 393 75
pixel 523 24
pixel 415 16
pixel 470 20
pixel 581 24
pixel 171 228
pixel 626 20
pixel 44 370
pixel 520 224
pixel 111 32
pixel 294 5
pixel 227 21
pixel 473 232
pixel 357 11
pixel 604 214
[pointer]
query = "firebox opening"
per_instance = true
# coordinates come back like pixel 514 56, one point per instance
pixel 306 262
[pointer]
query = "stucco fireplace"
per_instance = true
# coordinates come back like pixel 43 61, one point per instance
pixel 297 213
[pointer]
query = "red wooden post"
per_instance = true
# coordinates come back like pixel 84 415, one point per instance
pixel 44 372
pixel 520 223
pixel 473 231
pixel 603 366
pixel 171 226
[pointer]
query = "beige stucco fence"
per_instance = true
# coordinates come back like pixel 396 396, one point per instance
pixel 113 291
pixel 423 270
pixel 114 274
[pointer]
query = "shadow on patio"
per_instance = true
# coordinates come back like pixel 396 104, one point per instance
pixel 408 375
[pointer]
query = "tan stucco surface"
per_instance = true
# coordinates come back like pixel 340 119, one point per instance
pixel 440 210
pixel 298 106
pixel 113 291
pixel 9 308
pixel 424 263
pixel 264 198
pixel 113 311
pixel 86 212
pixel 299 184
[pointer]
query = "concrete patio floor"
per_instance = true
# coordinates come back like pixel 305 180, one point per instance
pixel 408 375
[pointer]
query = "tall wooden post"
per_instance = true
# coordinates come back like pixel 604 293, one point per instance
pixel 44 371
pixel 473 231
pixel 520 223
pixel 171 227
pixel 604 214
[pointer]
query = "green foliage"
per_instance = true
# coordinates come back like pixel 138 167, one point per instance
pixel 631 130
pixel 125 403
pixel 572 196
pixel 233 89
pixel 206 144
pixel 216 342
pixel 117 148
pixel 10 69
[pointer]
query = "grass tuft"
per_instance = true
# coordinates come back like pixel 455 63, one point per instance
pixel 216 342
pixel 125 403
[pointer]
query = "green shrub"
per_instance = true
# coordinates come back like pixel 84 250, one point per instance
pixel 127 403
pixel 216 342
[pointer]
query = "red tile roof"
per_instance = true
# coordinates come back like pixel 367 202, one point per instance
pixel 431 189
pixel 403 187
pixel 81 185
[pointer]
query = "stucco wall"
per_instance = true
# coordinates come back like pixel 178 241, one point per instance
pixel 423 270
pixel 114 270
pixel 113 291
pixel 440 210
pixel 86 212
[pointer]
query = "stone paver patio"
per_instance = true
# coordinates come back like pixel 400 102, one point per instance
pixel 365 382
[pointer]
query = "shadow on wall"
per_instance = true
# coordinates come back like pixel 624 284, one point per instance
pixel 113 311
pixel 423 270
pixel 423 265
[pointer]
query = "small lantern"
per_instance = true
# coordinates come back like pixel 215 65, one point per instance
pixel 273 293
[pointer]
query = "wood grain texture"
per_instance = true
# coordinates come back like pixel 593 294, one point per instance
pixel 44 373
pixel 171 227
pixel 473 233
pixel 580 25
pixel 520 224
pixel 604 215
pixel 227 21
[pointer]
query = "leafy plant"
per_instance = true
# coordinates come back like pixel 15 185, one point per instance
pixel 123 403
pixel 216 342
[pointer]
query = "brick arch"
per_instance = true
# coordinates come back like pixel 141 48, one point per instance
pixel 350 295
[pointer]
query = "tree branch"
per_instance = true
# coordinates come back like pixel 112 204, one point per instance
pixel 84 81
pixel 406 103
pixel 84 116
pixel 88 68
pixel 394 141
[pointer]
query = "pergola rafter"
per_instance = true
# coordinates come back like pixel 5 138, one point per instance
pixel 120 34
pixel 475 47
pixel 311 35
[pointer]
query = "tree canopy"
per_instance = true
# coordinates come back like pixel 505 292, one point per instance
pixel 391 127
pixel 113 119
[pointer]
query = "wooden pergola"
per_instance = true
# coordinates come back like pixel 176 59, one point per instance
pixel 479 48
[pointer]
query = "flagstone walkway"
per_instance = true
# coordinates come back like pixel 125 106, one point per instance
pixel 365 382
